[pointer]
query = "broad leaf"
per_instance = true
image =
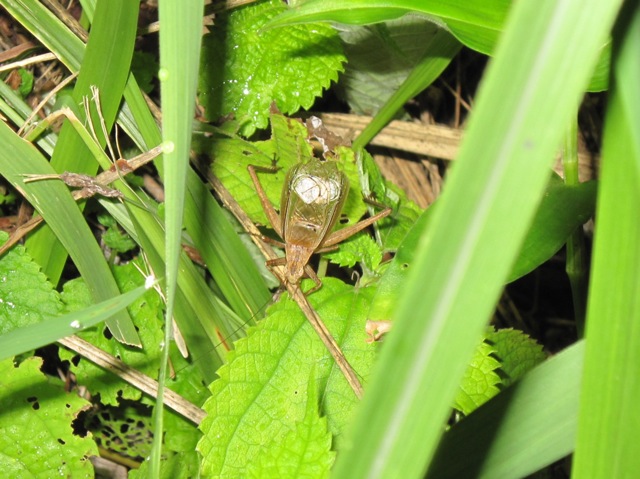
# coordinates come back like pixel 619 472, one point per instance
pixel 477 24
pixel 480 381
pixel 516 351
pixel 263 391
pixel 37 437
pixel 381 56
pixel 27 297
pixel 245 68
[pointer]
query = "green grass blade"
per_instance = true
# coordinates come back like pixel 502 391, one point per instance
pixel 609 419
pixel 443 48
pixel 105 65
pixel 34 336
pixel 231 265
pixel 227 258
pixel 563 209
pixel 53 34
pixel 16 110
pixel 180 39
pixel 491 196
pixel 576 249
pixel 54 202
pixel 530 425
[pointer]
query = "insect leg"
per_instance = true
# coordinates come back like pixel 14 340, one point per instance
pixel 341 235
pixel 272 215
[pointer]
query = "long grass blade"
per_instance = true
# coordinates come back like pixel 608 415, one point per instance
pixel 609 418
pixel 180 39
pixel 487 206
pixel 105 65
pixel 37 335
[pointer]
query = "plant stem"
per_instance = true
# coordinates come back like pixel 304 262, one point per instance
pixel 576 266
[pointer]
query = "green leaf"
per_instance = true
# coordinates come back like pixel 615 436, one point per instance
pixel 477 24
pixel 114 238
pixel 517 353
pixel 302 452
pixel 480 381
pixel 563 209
pixel 354 207
pixel 269 371
pixel 511 352
pixel 359 249
pixel 392 229
pixel 381 56
pixel 144 66
pixel 523 429
pixel 124 429
pixel 147 314
pixel 26 295
pixel 245 68
pixel 37 437
pixel 26 82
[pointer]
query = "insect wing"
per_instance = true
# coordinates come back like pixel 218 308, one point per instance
pixel 312 199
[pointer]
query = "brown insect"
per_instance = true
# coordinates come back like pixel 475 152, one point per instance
pixel 313 195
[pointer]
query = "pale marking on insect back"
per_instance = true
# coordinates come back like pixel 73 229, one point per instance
pixel 313 189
